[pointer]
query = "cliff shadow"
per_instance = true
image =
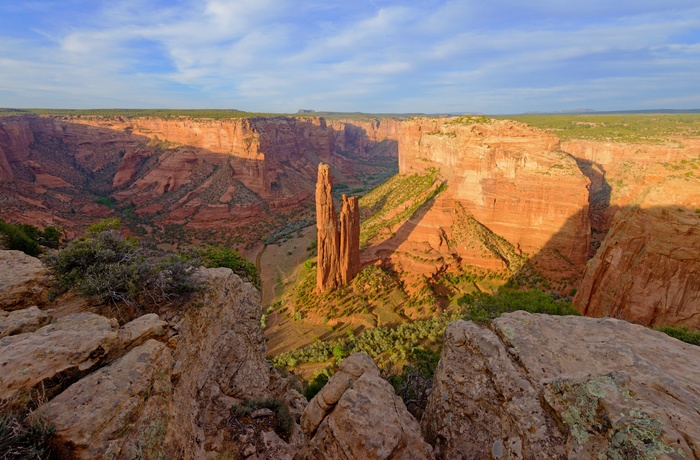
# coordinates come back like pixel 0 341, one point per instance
pixel 646 270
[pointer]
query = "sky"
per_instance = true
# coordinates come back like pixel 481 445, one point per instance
pixel 379 56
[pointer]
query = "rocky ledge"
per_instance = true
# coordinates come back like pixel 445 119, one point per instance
pixel 538 386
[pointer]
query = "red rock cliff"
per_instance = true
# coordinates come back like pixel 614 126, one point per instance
pixel 511 177
pixel 647 269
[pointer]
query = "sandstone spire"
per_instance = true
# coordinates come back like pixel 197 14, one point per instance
pixel 327 225
pixel 338 249
pixel 349 239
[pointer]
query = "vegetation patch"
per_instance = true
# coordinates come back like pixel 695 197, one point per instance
pixel 115 270
pixel 683 333
pixel 650 128
pixel 395 201
pixel 28 238
pixel 23 437
pixel 485 307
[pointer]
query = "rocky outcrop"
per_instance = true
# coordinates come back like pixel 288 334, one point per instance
pixel 120 411
pixel 349 259
pixel 145 398
pixel 66 350
pixel 537 386
pixel 338 244
pixel 21 321
pixel 357 415
pixel 647 269
pixel 23 281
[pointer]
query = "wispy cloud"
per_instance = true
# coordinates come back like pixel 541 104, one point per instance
pixel 421 55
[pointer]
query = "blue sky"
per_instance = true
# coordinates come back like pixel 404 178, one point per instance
pixel 498 56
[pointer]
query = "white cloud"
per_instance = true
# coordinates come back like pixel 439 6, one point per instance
pixel 276 55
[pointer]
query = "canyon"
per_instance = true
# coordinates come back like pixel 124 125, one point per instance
pixel 499 199
pixel 243 176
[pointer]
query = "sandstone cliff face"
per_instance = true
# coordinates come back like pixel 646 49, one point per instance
pixel 647 269
pixel 536 386
pixel 204 174
pixel 338 244
pixel 512 178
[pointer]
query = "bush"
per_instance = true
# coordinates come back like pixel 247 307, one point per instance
pixel 415 380
pixel 217 256
pixel 683 333
pixel 111 269
pixel 15 237
pixel 314 385
pixel 485 307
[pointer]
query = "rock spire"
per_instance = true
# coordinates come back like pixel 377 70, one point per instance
pixel 338 243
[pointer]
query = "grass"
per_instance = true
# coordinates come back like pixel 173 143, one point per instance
pixel 654 128
pixel 395 201
pixel 682 333
pixel 484 307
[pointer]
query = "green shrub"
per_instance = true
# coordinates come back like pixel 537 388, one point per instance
pixel 15 237
pixel 314 385
pixel 217 256
pixel 415 380
pixel 111 269
pixel 485 307
pixel 683 333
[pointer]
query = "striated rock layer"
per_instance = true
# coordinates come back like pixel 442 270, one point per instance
pixel 512 178
pixel 538 386
pixel 338 243
pixel 647 269
pixel 201 173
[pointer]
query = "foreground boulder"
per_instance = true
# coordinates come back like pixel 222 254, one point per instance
pixel 357 415
pixel 166 398
pixel 23 281
pixel 537 386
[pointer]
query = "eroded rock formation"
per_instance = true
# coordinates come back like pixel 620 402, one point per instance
pixel 328 246
pixel 538 386
pixel 201 173
pixel 349 239
pixel 338 243
pixel 357 415
pixel 647 269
